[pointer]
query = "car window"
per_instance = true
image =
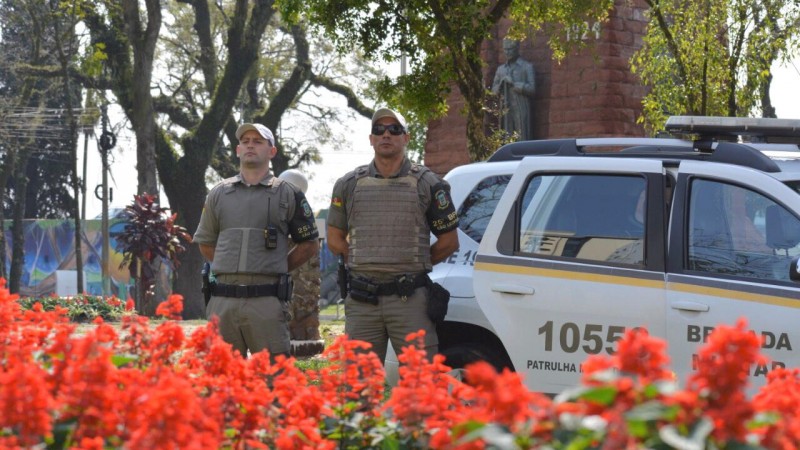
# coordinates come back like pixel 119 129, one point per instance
pixel 795 185
pixel 478 207
pixel 738 232
pixel 591 217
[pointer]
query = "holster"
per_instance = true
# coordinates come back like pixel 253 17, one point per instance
pixel 343 279
pixel 206 288
pixel 285 287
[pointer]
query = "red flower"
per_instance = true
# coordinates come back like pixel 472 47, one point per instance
pixel 171 308
pixel 780 398
pixel 722 376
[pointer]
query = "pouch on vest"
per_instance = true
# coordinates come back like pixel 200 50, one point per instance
pixel 438 299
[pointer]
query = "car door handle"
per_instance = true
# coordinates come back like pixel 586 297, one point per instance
pixel 512 289
pixel 690 306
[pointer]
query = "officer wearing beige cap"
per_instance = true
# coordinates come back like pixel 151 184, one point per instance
pixel 244 232
pixel 380 219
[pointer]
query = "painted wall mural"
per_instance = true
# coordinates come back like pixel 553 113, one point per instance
pixel 50 249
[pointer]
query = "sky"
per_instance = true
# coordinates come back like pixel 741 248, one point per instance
pixel 336 162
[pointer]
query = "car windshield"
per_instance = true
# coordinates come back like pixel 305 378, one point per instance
pixel 478 207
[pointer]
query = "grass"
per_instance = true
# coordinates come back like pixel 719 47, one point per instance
pixel 333 310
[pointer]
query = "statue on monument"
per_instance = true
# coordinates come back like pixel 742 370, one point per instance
pixel 515 84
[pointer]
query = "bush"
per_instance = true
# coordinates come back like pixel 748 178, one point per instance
pixel 81 308
pixel 157 388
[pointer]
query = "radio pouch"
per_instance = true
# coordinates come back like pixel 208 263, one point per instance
pixel 438 299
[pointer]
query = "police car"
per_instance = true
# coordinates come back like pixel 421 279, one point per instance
pixel 580 239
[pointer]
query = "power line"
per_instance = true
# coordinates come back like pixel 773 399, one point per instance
pixel 41 123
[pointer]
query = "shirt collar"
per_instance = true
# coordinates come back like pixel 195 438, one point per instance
pixel 404 169
pixel 266 181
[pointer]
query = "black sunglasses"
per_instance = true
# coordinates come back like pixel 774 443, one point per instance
pixel 395 129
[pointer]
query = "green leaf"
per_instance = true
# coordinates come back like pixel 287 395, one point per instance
pixel 604 395
pixel 121 360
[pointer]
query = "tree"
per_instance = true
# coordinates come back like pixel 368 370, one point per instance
pixel 203 90
pixel 713 57
pixel 442 40
pixel 36 139
pixel 184 88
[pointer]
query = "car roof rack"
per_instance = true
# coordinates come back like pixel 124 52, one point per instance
pixel 740 154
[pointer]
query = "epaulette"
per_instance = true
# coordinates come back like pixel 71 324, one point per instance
pixel 226 185
pixel 361 171
pixel 274 182
pixel 418 170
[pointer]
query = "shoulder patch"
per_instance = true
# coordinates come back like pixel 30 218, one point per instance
pixel 440 196
pixel 307 212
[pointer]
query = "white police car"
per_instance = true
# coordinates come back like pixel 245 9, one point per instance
pixel 674 235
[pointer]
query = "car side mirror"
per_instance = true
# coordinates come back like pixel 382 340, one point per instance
pixel 794 269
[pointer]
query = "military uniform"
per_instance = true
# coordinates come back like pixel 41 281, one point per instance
pixel 389 221
pixel 249 226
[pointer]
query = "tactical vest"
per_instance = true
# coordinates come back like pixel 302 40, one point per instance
pixel 242 247
pixel 388 229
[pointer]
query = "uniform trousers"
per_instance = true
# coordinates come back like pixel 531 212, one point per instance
pixel 253 323
pixel 393 318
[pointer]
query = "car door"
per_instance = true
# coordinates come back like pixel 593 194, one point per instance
pixel 734 232
pixel 573 256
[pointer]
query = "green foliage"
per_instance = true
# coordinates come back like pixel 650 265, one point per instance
pixel 149 233
pixel 80 308
pixel 442 42
pixel 713 58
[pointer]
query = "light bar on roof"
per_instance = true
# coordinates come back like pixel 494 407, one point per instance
pixel 733 126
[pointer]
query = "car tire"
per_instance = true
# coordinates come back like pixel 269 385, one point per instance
pixel 459 355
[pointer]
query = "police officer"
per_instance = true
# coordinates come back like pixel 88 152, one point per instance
pixel 388 210
pixel 244 232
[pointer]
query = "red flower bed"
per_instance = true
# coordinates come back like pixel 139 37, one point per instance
pixel 148 387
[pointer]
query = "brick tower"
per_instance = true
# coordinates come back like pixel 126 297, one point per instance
pixel 591 93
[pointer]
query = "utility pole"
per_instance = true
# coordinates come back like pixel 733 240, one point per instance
pixel 107 141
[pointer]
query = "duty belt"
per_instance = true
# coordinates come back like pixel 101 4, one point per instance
pixel 244 290
pixel 396 286
pixel 403 285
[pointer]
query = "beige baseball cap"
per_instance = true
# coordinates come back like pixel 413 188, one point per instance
pixel 261 129
pixel 386 112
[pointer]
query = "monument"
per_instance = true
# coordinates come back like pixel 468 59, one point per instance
pixel 515 84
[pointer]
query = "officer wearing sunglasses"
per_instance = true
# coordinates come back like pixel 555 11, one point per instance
pixel 380 220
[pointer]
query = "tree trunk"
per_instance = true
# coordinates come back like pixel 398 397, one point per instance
pixel 18 226
pixel 142 114
pixel 5 171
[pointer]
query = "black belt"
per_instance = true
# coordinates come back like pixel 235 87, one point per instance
pixel 244 290
pixel 394 287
